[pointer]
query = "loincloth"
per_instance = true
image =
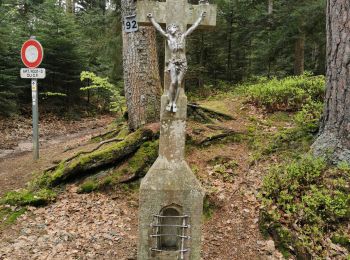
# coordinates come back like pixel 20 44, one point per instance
pixel 179 64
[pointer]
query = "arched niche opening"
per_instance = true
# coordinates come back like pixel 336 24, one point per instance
pixel 170 229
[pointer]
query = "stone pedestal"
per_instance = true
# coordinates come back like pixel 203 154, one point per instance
pixel 171 198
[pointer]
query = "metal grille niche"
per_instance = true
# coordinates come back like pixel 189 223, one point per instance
pixel 170 232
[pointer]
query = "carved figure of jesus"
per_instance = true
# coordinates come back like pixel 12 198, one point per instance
pixel 177 64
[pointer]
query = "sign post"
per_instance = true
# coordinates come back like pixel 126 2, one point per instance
pixel 32 55
pixel 35 118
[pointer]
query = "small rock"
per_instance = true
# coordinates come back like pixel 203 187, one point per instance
pixel 260 243
pixel 270 246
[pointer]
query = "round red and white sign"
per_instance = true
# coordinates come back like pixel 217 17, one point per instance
pixel 32 53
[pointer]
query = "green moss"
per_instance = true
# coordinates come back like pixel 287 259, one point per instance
pixel 103 156
pixel 15 215
pixel 9 216
pixel 25 197
pixel 96 184
pixel 88 186
pixel 124 132
pixel 216 105
pixel 137 165
pixel 208 208
pixel 341 239
pixel 114 130
pixel 145 156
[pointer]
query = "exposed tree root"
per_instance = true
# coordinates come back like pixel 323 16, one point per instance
pixel 109 134
pixel 86 152
pixel 209 140
pixel 95 149
pixel 87 162
pixel 140 163
pixel 206 115
pixel 135 168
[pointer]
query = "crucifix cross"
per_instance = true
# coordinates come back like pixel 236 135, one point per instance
pixel 178 12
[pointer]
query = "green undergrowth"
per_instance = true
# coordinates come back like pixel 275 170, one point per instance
pixel 284 143
pixel 293 108
pixel 287 94
pixel 305 203
pixel 223 167
pixel 208 209
pixel 284 134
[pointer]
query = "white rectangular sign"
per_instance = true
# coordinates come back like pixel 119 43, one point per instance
pixel 37 73
pixel 130 24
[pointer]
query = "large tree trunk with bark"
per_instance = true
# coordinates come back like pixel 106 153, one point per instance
pixel 334 138
pixel 141 74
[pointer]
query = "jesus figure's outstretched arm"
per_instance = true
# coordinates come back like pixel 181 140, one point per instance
pixel 156 25
pixel 195 25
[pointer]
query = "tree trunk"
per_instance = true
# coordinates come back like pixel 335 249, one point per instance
pixel 229 47
pixel 299 55
pixel 69 6
pixel 269 29
pixel 141 74
pixel 334 140
pixel 270 7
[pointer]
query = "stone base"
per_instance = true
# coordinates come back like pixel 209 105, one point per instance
pixel 170 183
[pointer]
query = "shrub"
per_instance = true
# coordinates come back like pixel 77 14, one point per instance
pixel 310 199
pixel 308 119
pixel 115 101
pixel 288 94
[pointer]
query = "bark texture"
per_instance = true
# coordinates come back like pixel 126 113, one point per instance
pixel 299 55
pixel 334 138
pixel 141 74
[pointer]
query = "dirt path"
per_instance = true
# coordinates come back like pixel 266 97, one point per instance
pixel 104 225
pixel 17 166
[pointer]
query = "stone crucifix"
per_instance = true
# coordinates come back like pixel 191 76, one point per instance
pixel 171 197
pixel 176 16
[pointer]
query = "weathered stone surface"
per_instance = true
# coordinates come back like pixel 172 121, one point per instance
pixel 163 16
pixel 170 185
pixel 170 182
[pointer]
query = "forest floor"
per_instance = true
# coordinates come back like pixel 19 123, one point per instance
pixel 103 225
pixel 58 139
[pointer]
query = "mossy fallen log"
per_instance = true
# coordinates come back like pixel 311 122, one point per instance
pixel 90 162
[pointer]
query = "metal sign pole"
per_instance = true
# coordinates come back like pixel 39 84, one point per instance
pixel 32 55
pixel 35 118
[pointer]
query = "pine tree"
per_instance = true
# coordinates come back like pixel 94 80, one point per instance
pixel 334 135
